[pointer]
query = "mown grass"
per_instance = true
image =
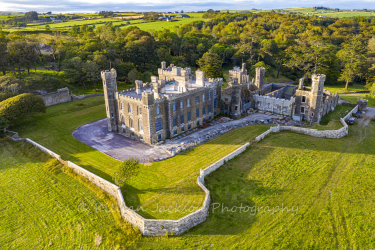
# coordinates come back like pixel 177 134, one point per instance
pixel 42 207
pixel 341 89
pixel 355 97
pixel 329 180
pixel 168 183
pixel 331 121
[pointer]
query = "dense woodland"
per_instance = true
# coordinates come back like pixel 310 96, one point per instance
pixel 290 45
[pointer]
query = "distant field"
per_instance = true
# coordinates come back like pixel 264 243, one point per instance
pixel 160 25
pixel 341 88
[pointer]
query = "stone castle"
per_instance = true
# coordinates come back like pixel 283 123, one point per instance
pixel 177 101
pixel 171 104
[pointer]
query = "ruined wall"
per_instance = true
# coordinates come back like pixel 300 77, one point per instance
pixel 274 105
pixel 58 97
pixel 81 97
pixel 336 134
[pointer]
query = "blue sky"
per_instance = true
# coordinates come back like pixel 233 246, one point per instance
pixel 82 6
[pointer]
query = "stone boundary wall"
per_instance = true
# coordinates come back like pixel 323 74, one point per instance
pixel 336 134
pixel 149 226
pixel 81 97
pixel 176 227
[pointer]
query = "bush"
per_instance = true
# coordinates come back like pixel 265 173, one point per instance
pixel 4 123
pixel 20 105
pixel 125 171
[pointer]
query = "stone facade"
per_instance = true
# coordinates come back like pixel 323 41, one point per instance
pixel 58 97
pixel 315 102
pixel 274 105
pixel 169 105
pixel 240 74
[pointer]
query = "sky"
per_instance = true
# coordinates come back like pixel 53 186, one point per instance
pixel 92 6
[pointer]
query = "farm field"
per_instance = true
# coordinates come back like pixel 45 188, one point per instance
pixel 170 182
pixel 330 182
pixel 41 208
pixel 341 88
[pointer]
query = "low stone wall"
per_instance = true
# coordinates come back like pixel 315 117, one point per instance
pixel 45 150
pixel 336 134
pixel 58 97
pixel 81 97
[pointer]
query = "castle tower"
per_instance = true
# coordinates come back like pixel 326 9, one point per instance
pixel 235 107
pixel 316 104
pixel 199 77
pixel 300 86
pixel 259 77
pixel 110 90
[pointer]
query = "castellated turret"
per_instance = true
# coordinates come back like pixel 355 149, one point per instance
pixel 110 91
pixel 235 111
pixel 199 74
pixel 259 77
pixel 316 97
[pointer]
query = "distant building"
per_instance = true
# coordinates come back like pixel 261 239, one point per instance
pixel 182 16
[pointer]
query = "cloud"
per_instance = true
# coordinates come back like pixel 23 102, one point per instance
pixel 64 6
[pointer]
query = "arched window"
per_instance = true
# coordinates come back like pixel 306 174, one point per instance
pixel 159 124
pixel 122 121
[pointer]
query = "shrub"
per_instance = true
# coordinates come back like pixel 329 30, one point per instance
pixel 126 170
pixel 20 105
pixel 4 123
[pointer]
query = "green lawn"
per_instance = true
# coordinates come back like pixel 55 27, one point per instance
pixel 355 97
pixel 341 89
pixel 331 121
pixel 329 180
pixel 43 209
pixel 166 183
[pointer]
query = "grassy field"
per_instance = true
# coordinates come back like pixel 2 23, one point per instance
pixel 300 192
pixel 331 121
pixel 41 208
pixel 355 97
pixel 341 89
pixel 165 183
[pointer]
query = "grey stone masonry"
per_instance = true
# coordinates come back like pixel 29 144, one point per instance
pixel 58 97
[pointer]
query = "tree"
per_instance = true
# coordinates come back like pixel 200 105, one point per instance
pixel 134 75
pixel 21 105
pixel 211 64
pixel 91 71
pixel 4 123
pixel 353 59
pixel 16 55
pixel 3 58
pixel 47 28
pixel 125 171
pixel 31 56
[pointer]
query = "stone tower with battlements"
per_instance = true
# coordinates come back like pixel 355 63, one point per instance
pixel 315 111
pixel 235 109
pixel 259 77
pixel 110 91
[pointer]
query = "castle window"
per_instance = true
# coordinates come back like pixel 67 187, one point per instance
pixel 312 114
pixel 203 97
pixel 157 110
pixel 174 121
pixel 130 122
pixel 159 137
pixel 214 91
pixel 181 105
pixel 215 103
pixel 140 125
pixel 302 110
pixel 175 132
pixel 197 113
pixel 236 107
pixel 174 107
pixel 182 119
pixel 159 124
pixel 139 111
pixel 303 98
pixel 182 129
pixel 197 123
pixel 189 126
pixel 209 108
pixel 189 116
pixel 111 115
pixel 226 99
pixel 197 99
pixel 204 110
pixel 130 108
pixel 209 95
pixel 122 106
pixel 188 102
